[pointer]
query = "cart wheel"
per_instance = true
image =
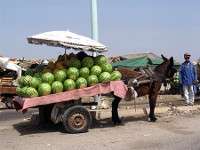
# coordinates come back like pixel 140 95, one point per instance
pixel 76 119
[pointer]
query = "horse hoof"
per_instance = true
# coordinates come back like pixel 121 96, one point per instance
pixel 153 119
pixel 118 122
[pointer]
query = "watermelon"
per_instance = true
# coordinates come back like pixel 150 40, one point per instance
pixel 23 91
pixel 72 73
pixel 19 91
pixel 60 75
pixel 47 77
pixel 116 75
pixel 95 70
pixel 84 72
pixel 74 62
pixel 35 82
pixel 44 89
pixel 64 69
pixel 31 92
pixel 92 80
pixel 57 87
pixel 69 84
pixel 29 72
pixel 87 62
pixel 106 68
pixel 38 75
pixel 27 80
pixel 100 60
pixel 21 81
pixel 104 77
pixel 81 82
pixel 45 70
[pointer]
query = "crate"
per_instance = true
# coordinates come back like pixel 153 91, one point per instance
pixel 6 81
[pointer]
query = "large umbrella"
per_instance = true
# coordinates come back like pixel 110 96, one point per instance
pixel 67 40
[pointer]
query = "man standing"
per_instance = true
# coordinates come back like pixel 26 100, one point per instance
pixel 188 77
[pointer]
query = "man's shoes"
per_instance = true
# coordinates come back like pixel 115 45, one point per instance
pixel 191 104
pixel 187 104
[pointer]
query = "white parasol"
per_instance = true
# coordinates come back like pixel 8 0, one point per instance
pixel 67 40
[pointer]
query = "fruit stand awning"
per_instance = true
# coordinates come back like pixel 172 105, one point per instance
pixel 67 40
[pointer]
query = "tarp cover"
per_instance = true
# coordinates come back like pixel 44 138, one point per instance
pixel 138 62
pixel 117 87
pixel 67 40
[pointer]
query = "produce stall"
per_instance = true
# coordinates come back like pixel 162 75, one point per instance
pixel 58 88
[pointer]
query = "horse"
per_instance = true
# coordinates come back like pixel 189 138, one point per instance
pixel 147 86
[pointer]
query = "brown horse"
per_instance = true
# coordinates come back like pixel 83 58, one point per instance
pixel 150 87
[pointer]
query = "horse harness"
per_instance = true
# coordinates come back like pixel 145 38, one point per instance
pixel 148 76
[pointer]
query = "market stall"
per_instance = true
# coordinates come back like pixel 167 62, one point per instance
pixel 58 88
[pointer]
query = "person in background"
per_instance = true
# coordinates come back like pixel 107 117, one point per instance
pixel 188 78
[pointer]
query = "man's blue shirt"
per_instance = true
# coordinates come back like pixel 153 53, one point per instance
pixel 187 73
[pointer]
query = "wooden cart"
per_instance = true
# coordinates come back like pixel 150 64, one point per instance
pixel 68 107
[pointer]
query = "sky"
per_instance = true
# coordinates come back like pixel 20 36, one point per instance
pixel 169 27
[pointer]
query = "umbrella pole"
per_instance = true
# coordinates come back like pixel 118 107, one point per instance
pixel 65 55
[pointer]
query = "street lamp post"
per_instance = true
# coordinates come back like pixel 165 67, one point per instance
pixel 94 20
pixel 94 31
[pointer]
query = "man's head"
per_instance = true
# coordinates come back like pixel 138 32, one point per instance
pixel 187 56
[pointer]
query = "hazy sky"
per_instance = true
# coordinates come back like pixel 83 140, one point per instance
pixel 126 26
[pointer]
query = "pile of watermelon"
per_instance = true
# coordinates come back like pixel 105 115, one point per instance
pixel 67 73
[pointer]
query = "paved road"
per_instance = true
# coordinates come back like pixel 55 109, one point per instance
pixel 169 133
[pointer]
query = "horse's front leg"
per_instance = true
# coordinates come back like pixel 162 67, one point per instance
pixel 152 105
pixel 115 116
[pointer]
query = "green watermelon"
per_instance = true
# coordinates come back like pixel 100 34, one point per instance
pixel 38 75
pixel 60 75
pixel 19 91
pixel 69 84
pixel 27 80
pixel 29 72
pixel 57 87
pixel 44 89
pixel 104 77
pixel 74 62
pixel 84 72
pixel 95 70
pixel 31 92
pixel 81 82
pixel 92 80
pixel 72 73
pixel 87 62
pixel 35 82
pixel 47 77
pixel 100 60
pixel 106 68
pixel 21 81
pixel 116 75
pixel 23 91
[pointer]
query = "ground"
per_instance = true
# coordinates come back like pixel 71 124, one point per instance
pixel 176 128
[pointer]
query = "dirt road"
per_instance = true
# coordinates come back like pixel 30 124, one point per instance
pixel 170 132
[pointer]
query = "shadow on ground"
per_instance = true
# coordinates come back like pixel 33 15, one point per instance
pixel 28 128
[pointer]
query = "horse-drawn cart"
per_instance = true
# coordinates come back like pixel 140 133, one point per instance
pixel 68 107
